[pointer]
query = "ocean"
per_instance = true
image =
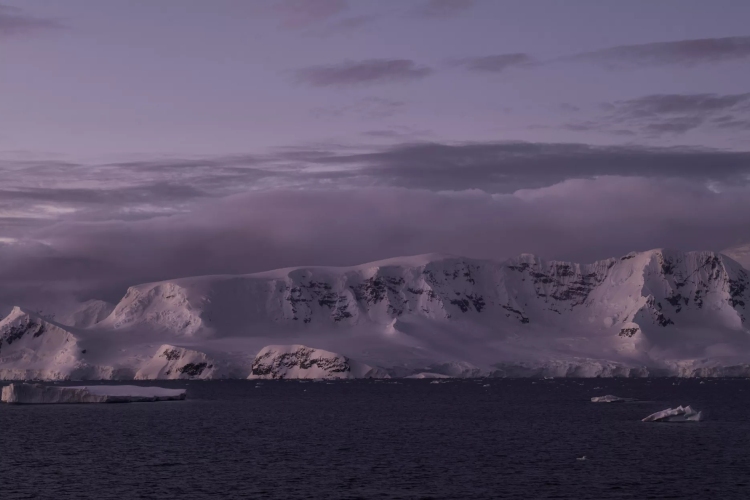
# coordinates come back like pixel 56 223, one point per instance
pixel 477 438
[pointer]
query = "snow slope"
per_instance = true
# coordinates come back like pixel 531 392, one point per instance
pixel 34 348
pixel 651 313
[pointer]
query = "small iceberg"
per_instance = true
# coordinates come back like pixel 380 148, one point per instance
pixel 46 394
pixel 609 398
pixel 679 414
pixel 422 375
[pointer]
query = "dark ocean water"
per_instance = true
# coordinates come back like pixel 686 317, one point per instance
pixel 364 439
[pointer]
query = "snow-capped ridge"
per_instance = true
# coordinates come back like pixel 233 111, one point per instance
pixel 649 313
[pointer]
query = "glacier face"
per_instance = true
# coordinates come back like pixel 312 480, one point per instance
pixel 651 313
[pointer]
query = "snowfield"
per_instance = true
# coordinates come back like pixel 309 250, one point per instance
pixel 652 313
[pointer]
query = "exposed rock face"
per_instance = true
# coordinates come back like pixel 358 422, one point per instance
pixel 302 362
pixel 170 362
pixel 635 292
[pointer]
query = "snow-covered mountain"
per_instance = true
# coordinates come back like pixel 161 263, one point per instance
pixel 739 253
pixel 32 347
pixel 655 312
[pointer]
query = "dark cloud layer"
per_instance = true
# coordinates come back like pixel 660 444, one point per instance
pixel 506 167
pixel 143 189
pixel 14 21
pixel 683 53
pixel 369 71
pixel 676 104
pixel 336 206
pixel 577 219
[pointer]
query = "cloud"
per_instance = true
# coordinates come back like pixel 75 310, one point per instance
pixel 346 25
pixel 93 230
pixel 569 108
pixel 609 216
pixel 495 64
pixel 369 71
pixel 508 166
pixel 658 114
pixel 300 14
pixel 13 21
pixel 140 190
pixel 730 122
pixel 367 108
pixel 399 133
pixel 679 104
pixel 681 53
pixel 443 9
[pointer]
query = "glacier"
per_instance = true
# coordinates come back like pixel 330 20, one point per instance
pixel 53 394
pixel 654 313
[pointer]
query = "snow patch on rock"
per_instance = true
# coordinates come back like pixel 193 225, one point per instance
pixel 679 414
pixel 302 362
pixel 171 362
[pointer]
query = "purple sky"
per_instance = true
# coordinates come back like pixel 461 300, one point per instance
pixel 144 140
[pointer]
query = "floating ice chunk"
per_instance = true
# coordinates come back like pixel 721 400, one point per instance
pixel 428 375
pixel 679 414
pixel 46 394
pixel 609 398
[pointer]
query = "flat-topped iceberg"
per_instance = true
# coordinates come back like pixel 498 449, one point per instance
pixel 679 414
pixel 609 398
pixel 52 394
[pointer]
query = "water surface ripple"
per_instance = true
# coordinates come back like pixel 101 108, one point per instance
pixel 516 439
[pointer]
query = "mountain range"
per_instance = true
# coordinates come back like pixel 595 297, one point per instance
pixel 653 313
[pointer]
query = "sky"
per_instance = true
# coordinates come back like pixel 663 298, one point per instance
pixel 143 140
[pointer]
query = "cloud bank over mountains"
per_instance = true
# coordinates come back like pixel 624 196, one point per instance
pixel 295 132
pixel 150 220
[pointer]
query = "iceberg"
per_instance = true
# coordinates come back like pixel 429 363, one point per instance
pixel 422 375
pixel 679 414
pixel 51 394
pixel 609 398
